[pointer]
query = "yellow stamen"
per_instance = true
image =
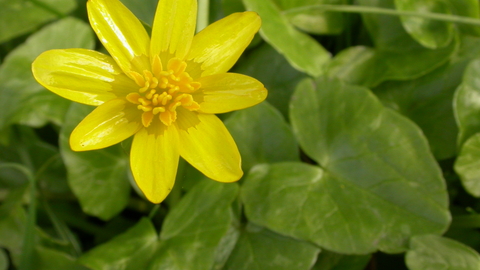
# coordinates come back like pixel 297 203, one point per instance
pixel 163 91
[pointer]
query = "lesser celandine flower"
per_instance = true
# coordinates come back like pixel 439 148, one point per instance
pixel 163 89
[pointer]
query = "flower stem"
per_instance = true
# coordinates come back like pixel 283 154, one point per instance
pixel 384 11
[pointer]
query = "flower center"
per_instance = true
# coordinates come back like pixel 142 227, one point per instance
pixel 161 91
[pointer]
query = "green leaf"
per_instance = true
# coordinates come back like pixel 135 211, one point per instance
pixel 98 178
pixel 315 21
pixel 232 6
pixel 132 249
pixel 22 99
pixel 4 263
pixel 467 8
pixel 18 17
pixel 260 249
pixel 262 136
pixel 432 34
pixel 272 69
pixel 200 232
pixel 432 252
pixel 301 50
pixel 334 261
pixel 396 55
pixel 144 11
pixel 13 223
pixel 466 104
pixel 50 259
pixel 377 163
pixel 29 151
pixel 467 165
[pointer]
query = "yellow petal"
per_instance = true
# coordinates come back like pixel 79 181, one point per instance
pixel 122 34
pixel 207 145
pixel 81 75
pixel 227 92
pixel 220 45
pixel 154 160
pixel 173 27
pixel 110 123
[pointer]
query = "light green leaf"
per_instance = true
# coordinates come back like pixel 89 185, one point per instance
pixel 18 17
pixel 467 103
pixel 432 34
pixel 467 165
pixel 130 250
pixel 260 249
pixel 377 163
pixel 333 261
pixel 200 232
pixel 98 178
pixel 315 21
pixel 432 252
pixel 22 99
pixel 271 68
pixel 301 50
pixel 262 136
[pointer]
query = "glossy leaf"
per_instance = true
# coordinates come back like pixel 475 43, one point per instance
pixel 132 249
pixel 467 165
pixel 377 163
pixel 432 252
pixel 98 178
pixel 467 103
pixel 18 17
pixel 273 70
pixel 199 233
pixel 22 99
pixel 430 33
pixel 301 51
pixel 261 249
pixel 262 136
pixel 328 260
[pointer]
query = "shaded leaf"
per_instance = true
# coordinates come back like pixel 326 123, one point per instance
pixel 301 50
pixel 22 99
pixel 271 68
pixel 467 8
pixel 432 252
pixel 98 178
pixel 467 165
pixel 18 17
pixel 262 136
pixel 199 233
pixel 50 259
pixel 4 263
pixel 396 55
pixel 260 249
pixel 145 11
pixel 132 249
pixel 333 261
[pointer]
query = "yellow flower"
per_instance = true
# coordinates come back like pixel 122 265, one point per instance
pixel 163 89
